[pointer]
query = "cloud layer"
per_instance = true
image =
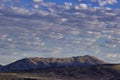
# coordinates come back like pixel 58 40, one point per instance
pixel 59 31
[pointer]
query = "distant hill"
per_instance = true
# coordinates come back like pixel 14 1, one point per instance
pixel 35 63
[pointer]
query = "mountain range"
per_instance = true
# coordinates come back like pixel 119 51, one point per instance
pixel 73 68
pixel 36 63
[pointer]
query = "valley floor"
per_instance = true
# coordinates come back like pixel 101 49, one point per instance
pixel 17 76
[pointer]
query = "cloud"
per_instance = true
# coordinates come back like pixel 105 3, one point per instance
pixel 68 5
pixel 105 2
pixel 38 0
pixel 70 29
pixel 84 6
pixel 56 35
pixel 113 56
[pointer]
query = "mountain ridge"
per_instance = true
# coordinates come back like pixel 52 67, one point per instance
pixel 35 68
pixel 36 62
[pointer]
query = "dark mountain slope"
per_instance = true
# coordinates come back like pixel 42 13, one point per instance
pixel 94 72
pixel 34 63
pixel 1 66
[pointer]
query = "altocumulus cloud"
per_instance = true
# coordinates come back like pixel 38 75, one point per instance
pixel 59 31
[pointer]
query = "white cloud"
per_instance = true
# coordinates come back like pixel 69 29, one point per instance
pixel 81 6
pixel 38 0
pixel 111 1
pixel 22 11
pixel 113 55
pixel 63 20
pixel 77 7
pixel 36 6
pixel 84 6
pixel 68 5
pixel 56 35
pixel 62 28
pixel 105 2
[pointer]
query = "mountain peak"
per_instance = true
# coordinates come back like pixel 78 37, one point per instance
pixel 89 60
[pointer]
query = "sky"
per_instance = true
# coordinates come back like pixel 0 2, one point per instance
pixel 59 28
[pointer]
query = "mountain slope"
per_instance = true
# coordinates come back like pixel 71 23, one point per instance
pixel 1 66
pixel 34 63
pixel 94 72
